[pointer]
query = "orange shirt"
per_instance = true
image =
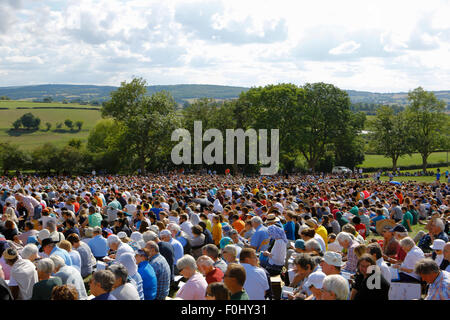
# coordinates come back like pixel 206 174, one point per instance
pixel 239 225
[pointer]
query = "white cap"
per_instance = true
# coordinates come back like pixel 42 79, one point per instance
pixel 315 279
pixel 122 235
pixel 438 244
pixel 333 258
pixel 43 234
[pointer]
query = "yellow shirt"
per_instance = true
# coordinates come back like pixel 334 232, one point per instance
pixel 321 231
pixel 217 233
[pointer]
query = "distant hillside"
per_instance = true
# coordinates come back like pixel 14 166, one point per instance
pixel 181 93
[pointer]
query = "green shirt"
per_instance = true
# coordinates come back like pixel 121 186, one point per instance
pixel 42 290
pixel 354 210
pixel 407 216
pixel 95 220
pixel 241 295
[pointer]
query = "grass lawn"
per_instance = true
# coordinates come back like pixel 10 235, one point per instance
pixel 13 104
pixel 28 141
pixel 378 161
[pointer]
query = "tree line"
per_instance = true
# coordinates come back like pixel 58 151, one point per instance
pixel 30 122
pixel 317 129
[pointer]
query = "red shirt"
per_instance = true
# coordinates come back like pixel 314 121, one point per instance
pixel 361 229
pixel 216 275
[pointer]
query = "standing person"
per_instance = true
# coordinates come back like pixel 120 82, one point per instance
pixel 234 280
pixel 256 283
pixel 362 289
pixel 101 285
pixel 42 290
pixel 216 230
pixel 23 275
pixel 149 282
pixel 438 280
pixel 195 287
pixel 162 270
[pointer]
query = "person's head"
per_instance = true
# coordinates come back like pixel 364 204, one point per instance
pixel 248 255
pixel 407 244
pixel 211 251
pixel 187 266
pixel 437 226
pixel 66 245
pixel 74 240
pixel 217 291
pixel 165 235
pixel 45 268
pixel 427 269
pixel 152 247
pixel 47 246
pixel 331 263
pixel 364 262
pixel 142 255
pixel 345 239
pixel 234 277
pixel 29 226
pixel 205 264
pixel 149 236
pixel 102 282
pixel 349 228
pixel 229 253
pixel 30 252
pixel 304 265
pixel 97 231
pixel 375 251
pixel 113 242
pixel 313 246
pixel 64 292
pixel 58 262
pixel 307 234
pixel 387 233
pixel 335 287
pixel 120 274
pixel 174 229
pixel 314 283
pixel 197 230
pixel 360 250
pixel 256 222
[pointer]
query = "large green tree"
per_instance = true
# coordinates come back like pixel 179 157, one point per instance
pixel 148 121
pixel 427 123
pixel 390 134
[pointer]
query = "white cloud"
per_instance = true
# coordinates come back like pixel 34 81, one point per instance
pixel 385 45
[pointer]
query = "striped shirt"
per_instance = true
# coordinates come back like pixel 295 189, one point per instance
pixel 162 271
pixel 440 288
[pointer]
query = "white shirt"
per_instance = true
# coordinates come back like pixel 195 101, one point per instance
pixel 278 253
pixel 70 275
pixel 187 227
pixel 24 275
pixel 334 246
pixel 123 247
pixel 256 282
pixel 385 271
pixel 414 255
pixel 321 242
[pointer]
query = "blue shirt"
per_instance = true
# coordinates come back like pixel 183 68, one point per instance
pixel 289 228
pixel 136 280
pixel 377 218
pixel 178 250
pixel 148 280
pixel 99 246
pixel 162 271
pixel 260 239
pixel 63 254
pixel 156 211
pixel 105 296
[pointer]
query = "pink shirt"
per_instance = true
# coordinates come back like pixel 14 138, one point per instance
pixel 194 289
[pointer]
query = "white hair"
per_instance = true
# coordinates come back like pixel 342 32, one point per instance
pixel 58 261
pixel 338 285
pixel 344 237
pixel 230 248
pixel 205 261
pixel 407 242
pixel 29 250
pixel 186 261
pixel 313 245
pixel 149 236
pixel 113 239
pixel 439 223
pixel 256 220
pixel 45 265
pixel 173 227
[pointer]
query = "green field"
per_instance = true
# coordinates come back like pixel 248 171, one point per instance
pixel 13 104
pixel 29 141
pixel 378 161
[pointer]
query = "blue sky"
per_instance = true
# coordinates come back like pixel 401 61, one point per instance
pixel 382 46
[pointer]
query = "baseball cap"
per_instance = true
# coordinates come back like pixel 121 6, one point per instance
pixel 333 259
pixel 315 279
pixel 299 244
pixel 10 254
pixel 438 244
pixel 225 241
pixel 45 242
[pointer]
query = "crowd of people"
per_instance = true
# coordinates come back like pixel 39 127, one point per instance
pixel 223 237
